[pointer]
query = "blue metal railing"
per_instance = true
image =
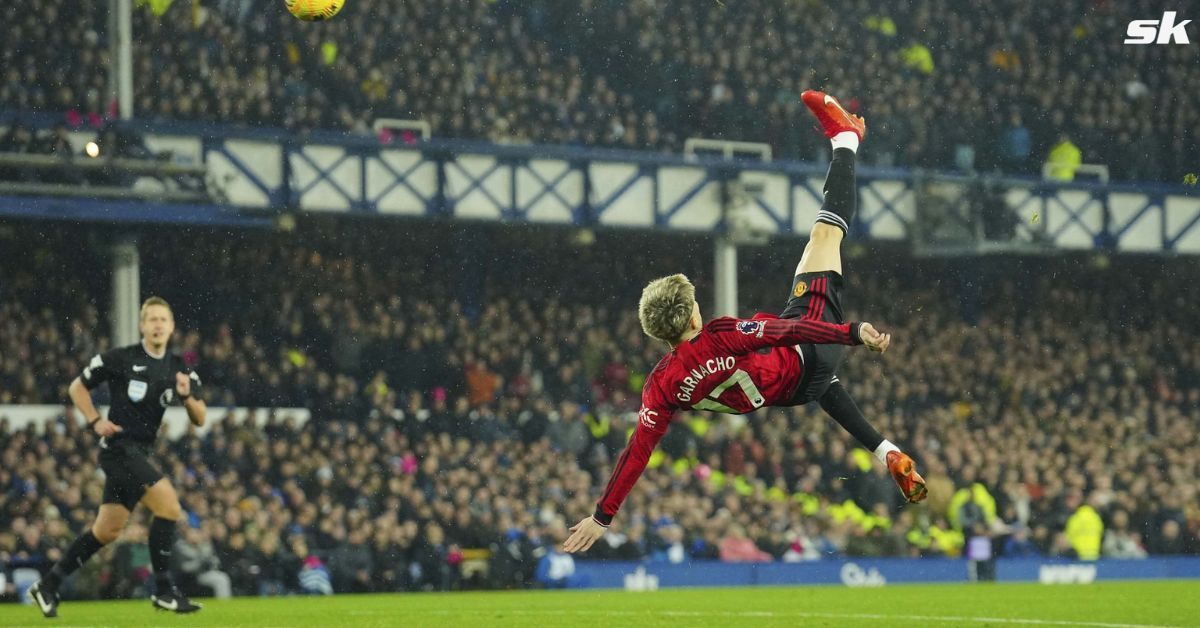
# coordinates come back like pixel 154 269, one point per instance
pixel 271 170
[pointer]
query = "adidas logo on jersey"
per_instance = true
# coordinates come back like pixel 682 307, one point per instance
pixel 644 417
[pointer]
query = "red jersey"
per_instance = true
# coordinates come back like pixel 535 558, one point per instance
pixel 734 366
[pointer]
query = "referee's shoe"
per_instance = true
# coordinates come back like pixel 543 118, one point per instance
pixel 173 600
pixel 45 597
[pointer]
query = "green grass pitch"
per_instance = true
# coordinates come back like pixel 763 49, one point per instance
pixel 1104 605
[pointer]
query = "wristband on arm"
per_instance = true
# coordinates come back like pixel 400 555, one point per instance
pixel 601 518
pixel 856 333
pixel 93 422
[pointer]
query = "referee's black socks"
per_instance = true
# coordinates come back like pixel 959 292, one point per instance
pixel 80 551
pixel 162 539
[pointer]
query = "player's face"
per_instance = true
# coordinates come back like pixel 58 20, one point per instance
pixel 157 325
pixel 697 319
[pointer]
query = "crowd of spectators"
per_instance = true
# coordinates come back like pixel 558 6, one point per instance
pixel 981 84
pixel 1049 402
pixel 43 322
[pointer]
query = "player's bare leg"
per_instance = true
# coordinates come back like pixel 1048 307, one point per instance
pixel 162 500
pixel 824 253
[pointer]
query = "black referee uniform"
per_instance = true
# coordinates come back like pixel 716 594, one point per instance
pixel 141 387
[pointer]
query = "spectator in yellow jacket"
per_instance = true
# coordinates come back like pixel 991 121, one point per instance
pixel 1064 160
pixel 1085 529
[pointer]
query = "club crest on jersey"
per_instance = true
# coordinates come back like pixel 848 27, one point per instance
pixel 800 289
pixel 751 328
pixel 137 390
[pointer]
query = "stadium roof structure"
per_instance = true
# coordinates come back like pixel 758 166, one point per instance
pixel 258 174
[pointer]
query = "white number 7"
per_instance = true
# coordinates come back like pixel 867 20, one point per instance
pixel 739 378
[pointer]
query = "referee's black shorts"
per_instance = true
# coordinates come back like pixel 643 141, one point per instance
pixel 816 296
pixel 129 472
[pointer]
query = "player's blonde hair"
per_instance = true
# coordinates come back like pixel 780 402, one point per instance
pixel 154 301
pixel 666 307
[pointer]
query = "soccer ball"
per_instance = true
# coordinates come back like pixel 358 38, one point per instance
pixel 314 10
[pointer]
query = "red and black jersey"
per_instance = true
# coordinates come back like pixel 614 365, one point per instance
pixel 734 366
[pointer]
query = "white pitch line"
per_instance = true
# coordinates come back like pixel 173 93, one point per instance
pixel 945 618
pixel 808 614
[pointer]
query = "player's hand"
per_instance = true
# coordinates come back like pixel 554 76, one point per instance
pixel 873 338
pixel 183 385
pixel 583 535
pixel 106 428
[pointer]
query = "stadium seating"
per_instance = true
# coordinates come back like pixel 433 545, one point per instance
pixel 948 84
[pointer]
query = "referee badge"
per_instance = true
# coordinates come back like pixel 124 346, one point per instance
pixel 800 289
pixel 137 390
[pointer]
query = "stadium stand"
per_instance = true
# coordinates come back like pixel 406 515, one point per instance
pixel 436 404
pixel 976 85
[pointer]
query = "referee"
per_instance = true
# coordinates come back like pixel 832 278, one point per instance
pixel 143 379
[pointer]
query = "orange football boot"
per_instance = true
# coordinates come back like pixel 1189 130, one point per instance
pixel 904 472
pixel 833 117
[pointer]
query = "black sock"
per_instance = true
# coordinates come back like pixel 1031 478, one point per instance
pixel 841 197
pixel 162 539
pixel 839 405
pixel 80 551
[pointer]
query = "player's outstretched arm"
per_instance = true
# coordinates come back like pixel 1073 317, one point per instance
pixel 652 425
pixel 744 336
